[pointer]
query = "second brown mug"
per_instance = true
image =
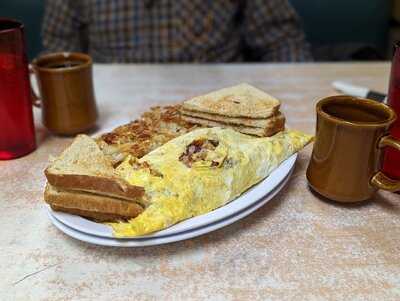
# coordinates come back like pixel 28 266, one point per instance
pixel 347 156
pixel 66 92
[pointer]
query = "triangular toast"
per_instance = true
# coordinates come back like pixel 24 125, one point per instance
pixel 84 167
pixel 242 100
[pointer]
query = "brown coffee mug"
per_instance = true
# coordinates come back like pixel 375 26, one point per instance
pixel 347 156
pixel 66 92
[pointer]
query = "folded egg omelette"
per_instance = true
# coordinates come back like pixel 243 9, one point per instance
pixel 199 172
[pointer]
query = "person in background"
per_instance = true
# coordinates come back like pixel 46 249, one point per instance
pixel 124 31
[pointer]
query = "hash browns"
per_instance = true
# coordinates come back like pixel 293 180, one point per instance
pixel 153 129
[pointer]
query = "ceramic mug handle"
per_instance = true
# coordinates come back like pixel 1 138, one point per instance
pixel 380 180
pixel 35 98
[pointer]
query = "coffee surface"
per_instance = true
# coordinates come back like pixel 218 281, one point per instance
pixel 355 113
pixel 62 64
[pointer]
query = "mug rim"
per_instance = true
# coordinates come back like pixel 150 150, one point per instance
pixel 82 56
pixel 19 25
pixel 340 98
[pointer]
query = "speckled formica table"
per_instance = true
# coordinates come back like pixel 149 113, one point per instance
pixel 296 247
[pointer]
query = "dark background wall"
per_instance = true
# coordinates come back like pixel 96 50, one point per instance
pixel 30 12
pixel 346 24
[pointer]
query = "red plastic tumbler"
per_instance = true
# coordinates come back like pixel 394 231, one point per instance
pixel 391 163
pixel 17 133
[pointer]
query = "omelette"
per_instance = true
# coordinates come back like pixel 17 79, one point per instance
pixel 200 171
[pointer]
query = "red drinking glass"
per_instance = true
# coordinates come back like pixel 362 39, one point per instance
pixel 391 163
pixel 17 133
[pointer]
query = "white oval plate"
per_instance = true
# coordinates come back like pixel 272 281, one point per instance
pixel 248 198
pixel 152 241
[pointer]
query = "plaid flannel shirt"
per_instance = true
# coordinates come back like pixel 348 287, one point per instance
pixel 175 30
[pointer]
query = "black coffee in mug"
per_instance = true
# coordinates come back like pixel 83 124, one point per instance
pixel 63 64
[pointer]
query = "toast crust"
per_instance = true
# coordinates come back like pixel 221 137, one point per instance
pixel 101 208
pixel 97 184
pixel 239 121
pixel 272 129
pixel 95 216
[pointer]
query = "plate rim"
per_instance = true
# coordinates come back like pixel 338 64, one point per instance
pixel 74 221
pixel 154 241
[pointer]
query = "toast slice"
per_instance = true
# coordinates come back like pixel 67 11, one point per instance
pixel 242 100
pixel 84 167
pixel 100 208
pixel 274 126
pixel 241 121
